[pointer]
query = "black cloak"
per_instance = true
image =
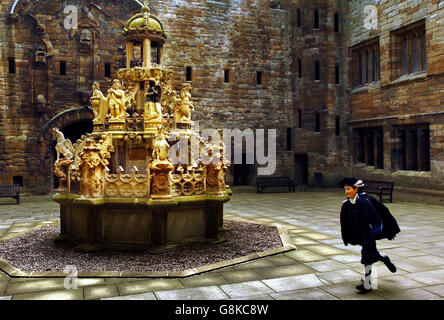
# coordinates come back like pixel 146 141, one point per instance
pixel 367 218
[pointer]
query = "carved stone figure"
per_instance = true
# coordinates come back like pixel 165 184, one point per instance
pixel 99 103
pixel 85 40
pixel 63 146
pixel 137 58
pixel 92 168
pixel 183 111
pixel 161 166
pixel 153 108
pixel 116 101
pixel 61 170
pixel 40 55
pixel 169 98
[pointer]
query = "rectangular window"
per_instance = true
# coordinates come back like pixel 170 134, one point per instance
pixel 299 68
pixel 299 17
pixel 63 68
pixel 414 147
pixel 300 118
pixel 227 75
pixel 337 75
pixel 338 126
pixel 365 63
pixel 316 19
pixel 11 63
pixel 317 71
pixel 368 146
pixel 259 77
pixel 289 139
pixel 336 22
pixel 409 54
pixel 189 72
pixel 107 70
pixel 317 122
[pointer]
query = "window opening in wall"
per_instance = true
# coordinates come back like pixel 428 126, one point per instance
pixel 316 19
pixel 63 68
pixel 317 71
pixel 336 22
pixel 259 77
pixel 299 68
pixel 299 17
pixel 289 139
pixel 365 66
pixel 414 147
pixel 11 64
pixel 338 126
pixel 368 146
pixel 409 54
pixel 317 122
pixel 300 118
pixel 107 70
pixel 227 75
pixel 337 74
pixel 189 73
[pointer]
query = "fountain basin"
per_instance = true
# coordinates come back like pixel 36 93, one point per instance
pixel 140 224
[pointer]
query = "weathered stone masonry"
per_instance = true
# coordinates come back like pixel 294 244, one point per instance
pixel 244 37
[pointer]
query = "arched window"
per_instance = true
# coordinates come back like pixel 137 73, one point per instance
pixel 365 66
pixel 410 44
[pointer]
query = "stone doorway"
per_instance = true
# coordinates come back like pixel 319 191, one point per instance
pixel 301 169
pixel 243 174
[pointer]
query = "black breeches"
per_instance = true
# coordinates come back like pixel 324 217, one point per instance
pixel 369 252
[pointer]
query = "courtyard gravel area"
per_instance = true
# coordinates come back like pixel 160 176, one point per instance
pixel 36 251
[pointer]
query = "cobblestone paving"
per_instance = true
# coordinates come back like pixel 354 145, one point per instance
pixel 321 268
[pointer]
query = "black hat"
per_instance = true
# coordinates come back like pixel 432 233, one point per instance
pixel 351 182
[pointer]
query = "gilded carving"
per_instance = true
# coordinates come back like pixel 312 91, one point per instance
pixel 99 104
pixel 116 101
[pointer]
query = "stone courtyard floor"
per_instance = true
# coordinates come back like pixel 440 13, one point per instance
pixel 321 267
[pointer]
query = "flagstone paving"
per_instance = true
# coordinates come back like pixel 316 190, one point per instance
pixel 322 267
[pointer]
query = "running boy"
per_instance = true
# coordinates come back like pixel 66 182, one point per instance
pixel 363 221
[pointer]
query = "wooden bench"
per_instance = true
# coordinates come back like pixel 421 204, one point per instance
pixel 265 182
pixel 10 191
pixel 381 188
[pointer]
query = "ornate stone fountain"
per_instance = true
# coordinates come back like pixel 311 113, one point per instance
pixel 118 185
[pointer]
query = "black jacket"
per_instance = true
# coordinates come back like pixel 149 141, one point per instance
pixel 367 218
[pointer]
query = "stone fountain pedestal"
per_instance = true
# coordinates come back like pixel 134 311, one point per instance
pixel 140 224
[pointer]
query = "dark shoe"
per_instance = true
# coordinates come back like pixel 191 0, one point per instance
pixel 362 289
pixel 389 264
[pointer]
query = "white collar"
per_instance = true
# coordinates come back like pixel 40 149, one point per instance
pixel 353 201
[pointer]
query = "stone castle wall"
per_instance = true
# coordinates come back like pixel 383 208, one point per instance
pixel 209 36
pixel 395 101
pixel 244 37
